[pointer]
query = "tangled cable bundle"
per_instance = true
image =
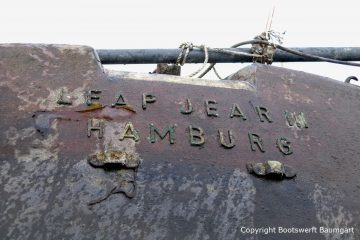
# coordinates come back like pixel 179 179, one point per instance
pixel 263 50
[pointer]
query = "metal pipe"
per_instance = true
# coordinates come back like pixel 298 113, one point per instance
pixel 148 56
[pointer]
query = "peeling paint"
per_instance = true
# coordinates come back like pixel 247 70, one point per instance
pixel 230 84
pixel 330 213
pixel 247 74
pixel 48 53
pixel 27 95
pixel 240 208
pixel 50 102
pixel 38 82
pixel 28 188
pixel 79 49
pixel 225 209
pixel 13 134
pixel 294 97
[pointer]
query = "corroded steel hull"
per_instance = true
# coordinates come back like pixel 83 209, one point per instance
pixel 90 153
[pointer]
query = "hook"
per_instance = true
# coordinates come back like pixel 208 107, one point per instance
pixel 348 79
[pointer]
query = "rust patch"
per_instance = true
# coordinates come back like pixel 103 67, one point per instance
pixel 93 107
pixel 126 107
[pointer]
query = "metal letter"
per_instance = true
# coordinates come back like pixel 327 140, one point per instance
pixel 62 101
pixel 120 101
pixel 263 112
pixel 129 132
pixel 231 143
pixel 255 139
pixel 147 98
pixel 170 130
pixel 296 118
pixel 187 108
pixel 284 146
pixel 211 110
pixel 236 112
pixel 99 127
pixel 196 139
pixel 91 95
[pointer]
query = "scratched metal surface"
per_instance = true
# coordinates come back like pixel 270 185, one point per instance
pixel 182 191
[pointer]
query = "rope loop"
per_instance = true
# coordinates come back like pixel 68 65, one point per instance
pixel 186 47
